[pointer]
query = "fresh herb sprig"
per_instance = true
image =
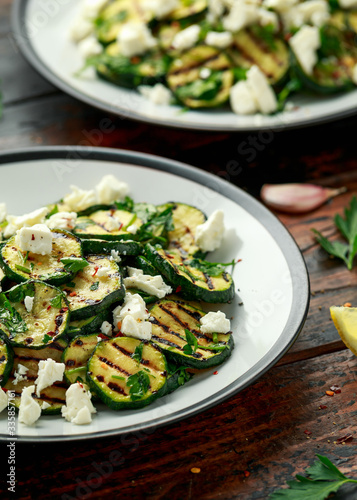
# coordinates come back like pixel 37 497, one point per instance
pixel 323 479
pixel 139 384
pixel 192 344
pixel 212 269
pixel 74 264
pixel 348 228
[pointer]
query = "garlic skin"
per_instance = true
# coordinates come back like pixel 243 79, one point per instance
pixel 297 198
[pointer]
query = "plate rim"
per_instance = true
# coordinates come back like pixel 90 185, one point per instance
pixel 18 24
pixel 294 258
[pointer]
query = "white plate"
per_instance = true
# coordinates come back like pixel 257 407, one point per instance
pixel 271 276
pixel 41 30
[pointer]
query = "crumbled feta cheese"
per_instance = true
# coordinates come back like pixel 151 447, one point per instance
pixel 106 328
pixel 305 44
pixel 135 38
pixel 159 8
pixel 89 46
pixel 28 301
pixel 3 212
pixel 354 74
pixel 78 407
pixel 49 372
pixel 267 17
pixel 262 90
pixel 29 410
pixel 153 285
pixel 80 29
pixel 279 5
pixel 242 99
pixel 347 4
pixel 315 12
pixel 215 322
pixel 216 9
pixel 205 73
pixel 45 405
pixel 113 224
pixel 209 235
pixel 132 229
pixel 242 14
pixel 220 40
pixel 79 199
pixel 134 306
pixel 137 329
pixel 103 272
pixel 36 239
pixel 3 400
pixel 91 8
pixel 114 255
pixel 17 222
pixel 62 220
pixel 186 38
pixel 110 189
pixel 158 94
pixel 20 374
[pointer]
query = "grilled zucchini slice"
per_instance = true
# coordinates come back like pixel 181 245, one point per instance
pixel 21 266
pixel 99 225
pixel 96 246
pixel 251 48
pixel 185 219
pixel 126 373
pixel 190 88
pixel 171 320
pixel 37 325
pixel 76 356
pixel 89 294
pixel 54 395
pixel 193 277
pixel 6 361
pixel 88 325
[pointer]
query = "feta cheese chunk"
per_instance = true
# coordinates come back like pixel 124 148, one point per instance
pixel 20 374
pixel 79 199
pixel 186 38
pixel 305 44
pixel 89 46
pixel 159 8
pixel 220 40
pixel 158 94
pixel 104 272
pixel 137 329
pixel 114 255
pixel 28 301
pixel 91 8
pixel 113 223
pixel 134 305
pixel 106 328
pixel 3 400
pixel 153 285
pixel 111 189
pixel 36 239
pixel 314 12
pixel 29 410
pixel 242 99
pixel 78 408
pixel 135 38
pixel 49 372
pixel 17 222
pixel 242 14
pixel 133 229
pixel 262 90
pixel 62 220
pixel 347 4
pixel 209 235
pixel 215 322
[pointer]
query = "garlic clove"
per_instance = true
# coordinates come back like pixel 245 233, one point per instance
pixel 297 198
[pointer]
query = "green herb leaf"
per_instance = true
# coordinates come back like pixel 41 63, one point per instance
pixel 335 248
pixel 127 204
pixel 139 384
pixel 213 269
pixel 138 353
pixel 74 264
pixel 19 292
pixel 10 318
pixel 94 286
pixel 23 269
pixel 46 338
pixel 192 343
pixel 56 302
pixel 323 479
pixel 118 377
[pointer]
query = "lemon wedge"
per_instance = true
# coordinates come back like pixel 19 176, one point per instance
pixel 345 321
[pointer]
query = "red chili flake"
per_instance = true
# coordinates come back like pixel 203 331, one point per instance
pixel 49 307
pixel 215 373
pixel 135 60
pixel 344 439
pixel 63 310
pixel 246 473
pixel 119 334
pixel 322 407
pixel 102 336
pixel 121 225
pixel 308 433
pixel 80 385
pixel 287 36
pixel 178 289
pixel 32 237
pixel 239 260
pixel 95 271
pixel 73 294
pixel 336 389
pixel 51 333
pixel 330 393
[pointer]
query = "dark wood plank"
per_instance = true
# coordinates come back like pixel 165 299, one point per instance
pixel 245 447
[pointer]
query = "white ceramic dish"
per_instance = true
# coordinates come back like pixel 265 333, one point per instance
pixel 41 32
pixel 271 276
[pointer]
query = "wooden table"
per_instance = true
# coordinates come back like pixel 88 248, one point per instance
pixel 250 445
